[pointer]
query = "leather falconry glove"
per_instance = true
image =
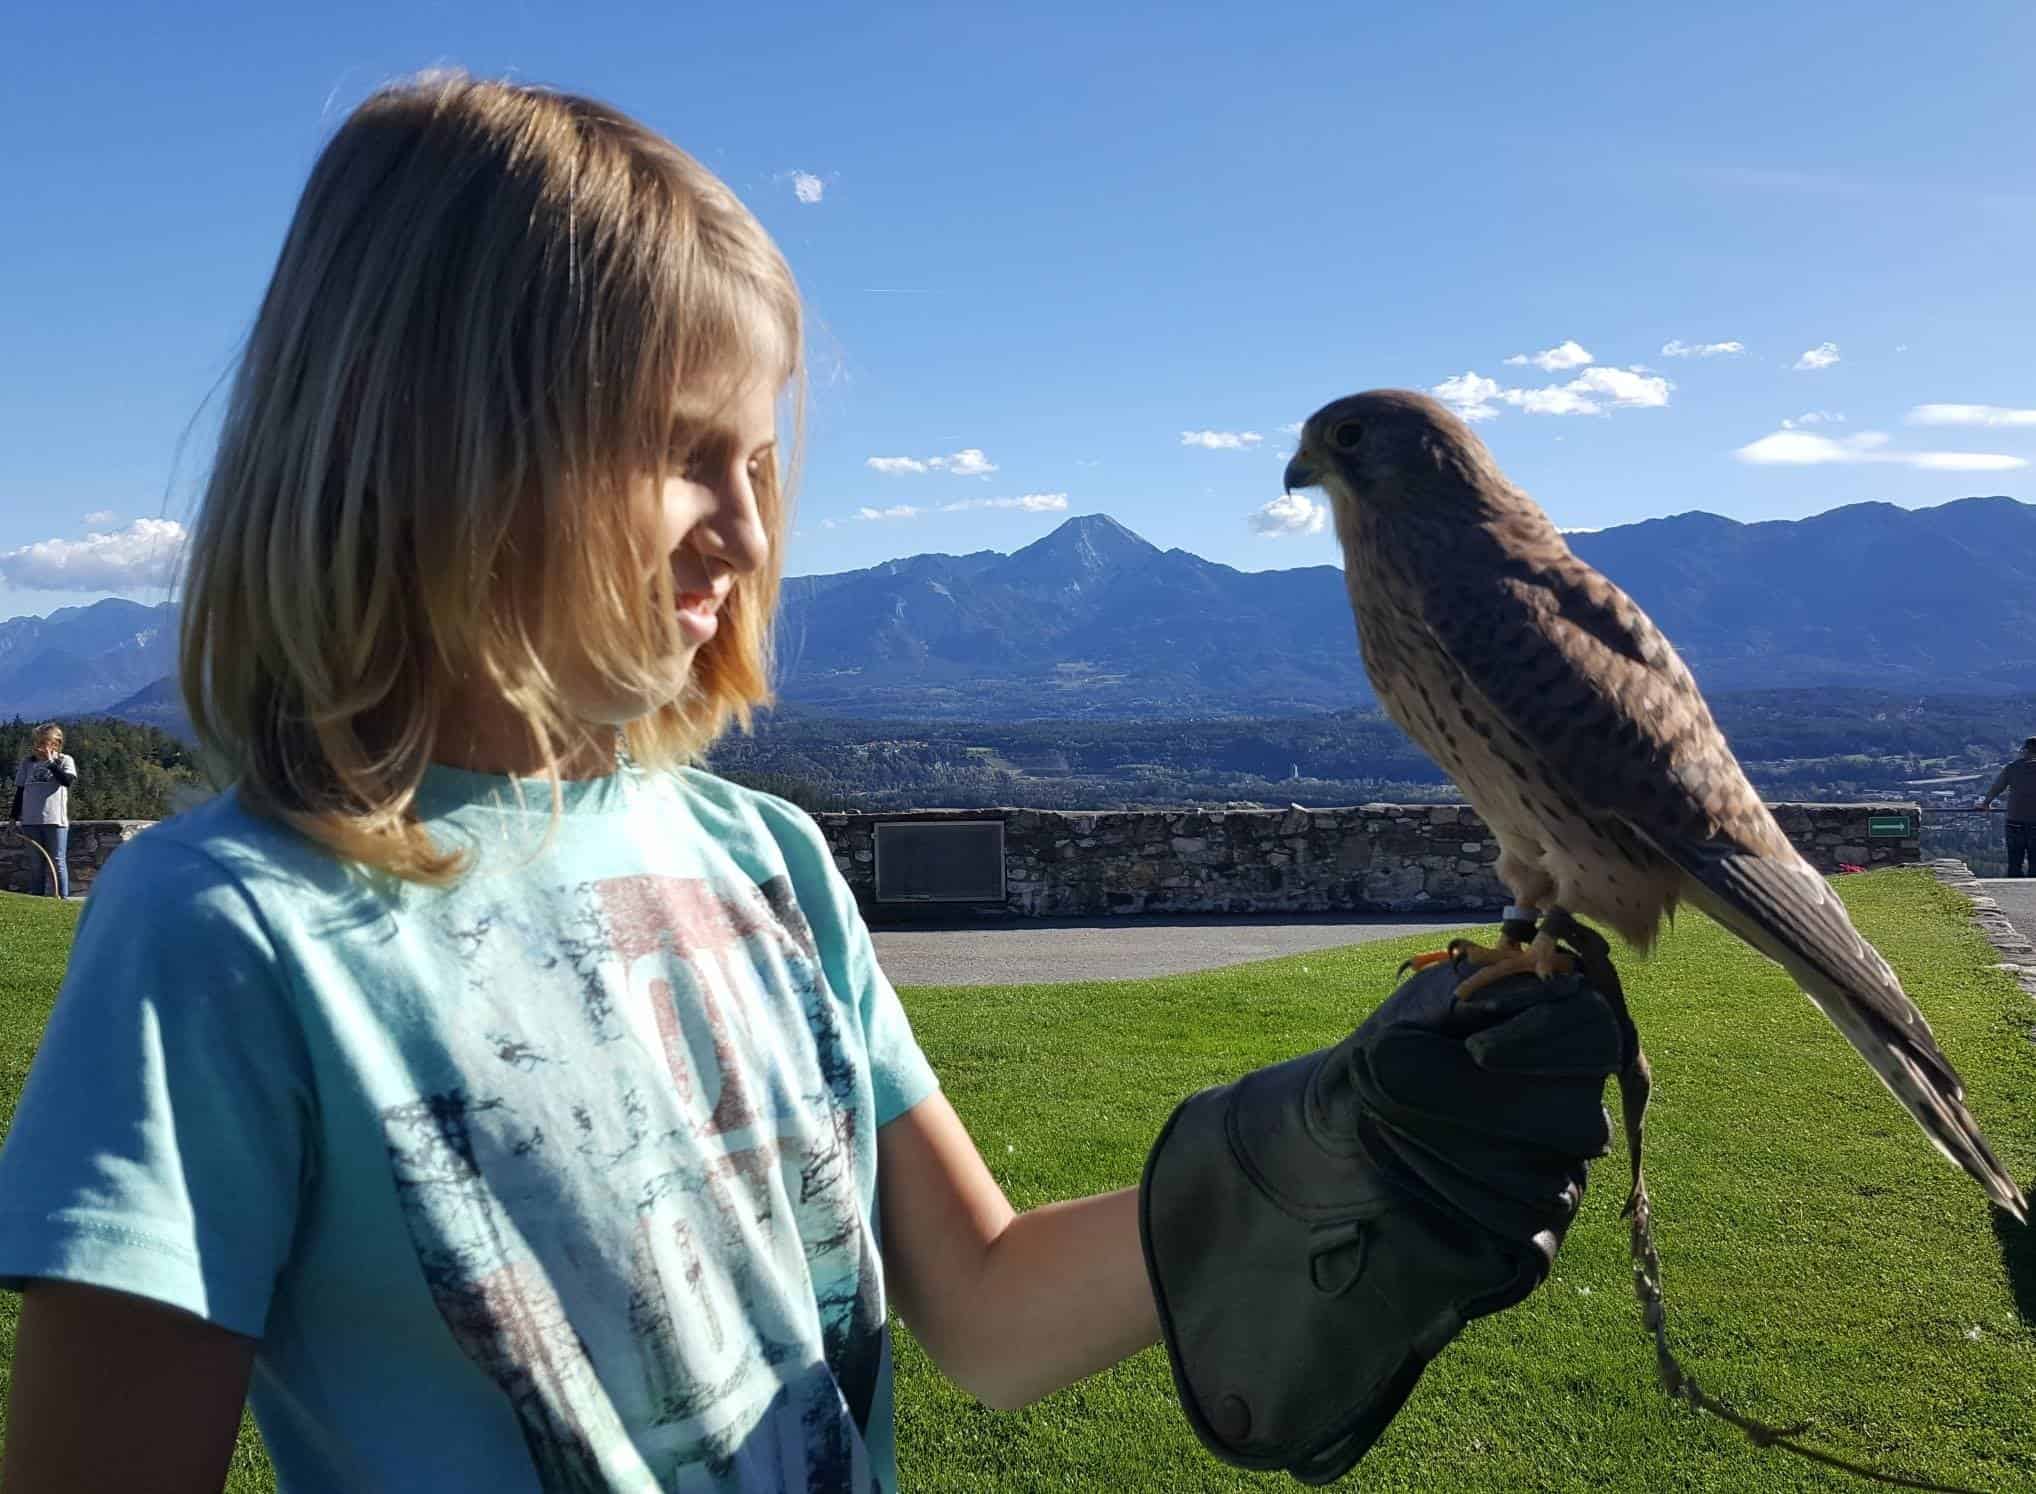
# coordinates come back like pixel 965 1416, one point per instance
pixel 1316 1232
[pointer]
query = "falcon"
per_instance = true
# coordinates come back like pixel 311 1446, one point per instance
pixel 1579 736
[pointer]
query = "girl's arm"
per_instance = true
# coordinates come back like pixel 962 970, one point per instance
pixel 1010 1306
pixel 112 1391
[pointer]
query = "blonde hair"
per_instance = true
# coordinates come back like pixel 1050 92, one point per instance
pixel 497 309
pixel 49 731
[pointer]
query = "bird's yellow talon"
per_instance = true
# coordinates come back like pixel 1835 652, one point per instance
pixel 1473 953
pixel 1549 961
pixel 1516 962
pixel 1464 952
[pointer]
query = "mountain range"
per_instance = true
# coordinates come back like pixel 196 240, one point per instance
pixel 1094 621
pixel 84 660
pixel 1091 620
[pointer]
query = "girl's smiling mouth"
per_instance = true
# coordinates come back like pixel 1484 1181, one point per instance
pixel 697 614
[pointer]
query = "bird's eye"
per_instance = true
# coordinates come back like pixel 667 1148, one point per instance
pixel 1346 435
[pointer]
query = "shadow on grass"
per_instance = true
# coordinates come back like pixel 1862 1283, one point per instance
pixel 2018 1254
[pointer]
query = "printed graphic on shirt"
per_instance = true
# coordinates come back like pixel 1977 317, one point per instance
pixel 642 1224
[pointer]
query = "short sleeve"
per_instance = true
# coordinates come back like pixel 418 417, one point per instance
pixel 899 1073
pixel 161 1142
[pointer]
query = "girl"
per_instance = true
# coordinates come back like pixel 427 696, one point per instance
pixel 514 1106
pixel 42 804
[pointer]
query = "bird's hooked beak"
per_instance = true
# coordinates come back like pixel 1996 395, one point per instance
pixel 1302 471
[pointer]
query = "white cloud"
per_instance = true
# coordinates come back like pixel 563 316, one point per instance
pixel 1961 461
pixel 1475 397
pixel 1823 355
pixel 1797 448
pixel 1814 417
pixel 100 518
pixel 1627 388
pixel 1221 440
pixel 1675 347
pixel 1991 415
pixel 966 463
pixel 1469 394
pixel 144 554
pixel 828 523
pixel 1556 399
pixel 1564 355
pixel 807 187
pixel 1292 428
pixel 1291 514
pixel 1803 449
pixel 1031 503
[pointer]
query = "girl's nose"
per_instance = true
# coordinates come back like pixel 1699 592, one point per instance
pixel 734 532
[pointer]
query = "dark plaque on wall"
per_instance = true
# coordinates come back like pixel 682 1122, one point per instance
pixel 956 861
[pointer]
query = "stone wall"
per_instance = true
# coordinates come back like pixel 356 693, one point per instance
pixel 92 841
pixel 1373 858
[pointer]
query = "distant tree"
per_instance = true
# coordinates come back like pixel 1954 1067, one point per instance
pixel 808 796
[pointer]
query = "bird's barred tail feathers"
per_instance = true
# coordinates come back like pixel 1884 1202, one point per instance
pixel 1789 913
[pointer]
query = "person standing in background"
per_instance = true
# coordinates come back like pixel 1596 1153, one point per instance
pixel 42 803
pixel 2017 779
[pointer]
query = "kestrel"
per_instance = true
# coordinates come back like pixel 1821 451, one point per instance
pixel 1580 738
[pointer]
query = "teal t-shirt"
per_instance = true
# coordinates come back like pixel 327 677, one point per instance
pixel 562 1178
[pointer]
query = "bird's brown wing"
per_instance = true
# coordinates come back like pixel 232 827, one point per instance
pixel 1587 690
pixel 1586 696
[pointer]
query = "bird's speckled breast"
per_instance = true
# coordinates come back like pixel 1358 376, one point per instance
pixel 1554 852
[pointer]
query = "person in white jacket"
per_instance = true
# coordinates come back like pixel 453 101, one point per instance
pixel 42 803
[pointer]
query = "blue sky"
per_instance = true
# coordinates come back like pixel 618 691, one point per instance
pixel 1104 252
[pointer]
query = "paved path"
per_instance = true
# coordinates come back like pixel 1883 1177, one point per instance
pixel 1048 950
pixel 2017 899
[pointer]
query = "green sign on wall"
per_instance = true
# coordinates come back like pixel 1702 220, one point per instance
pixel 1887 826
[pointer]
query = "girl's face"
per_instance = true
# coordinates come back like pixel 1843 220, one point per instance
pixel 702 523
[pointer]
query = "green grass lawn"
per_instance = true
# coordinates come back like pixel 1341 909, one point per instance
pixel 35 940
pixel 1822 1262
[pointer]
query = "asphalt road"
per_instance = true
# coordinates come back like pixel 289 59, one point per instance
pixel 1048 950
pixel 2017 898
